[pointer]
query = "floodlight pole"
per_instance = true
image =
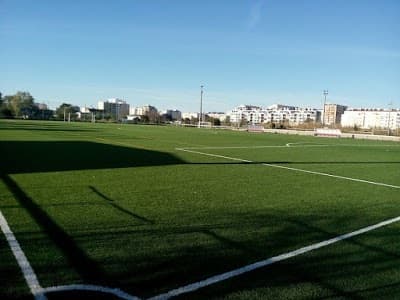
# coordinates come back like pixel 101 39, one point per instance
pixel 323 117
pixel 201 106
pixel 390 109
pixel 117 111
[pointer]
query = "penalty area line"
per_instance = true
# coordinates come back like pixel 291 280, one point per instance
pixel 292 169
pixel 269 261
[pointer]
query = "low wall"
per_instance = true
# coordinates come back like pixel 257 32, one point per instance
pixel 371 137
pixel 343 135
pixel 290 131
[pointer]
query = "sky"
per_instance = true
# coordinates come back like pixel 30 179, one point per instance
pixel 160 52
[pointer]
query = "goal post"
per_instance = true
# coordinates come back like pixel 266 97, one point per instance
pixel 255 128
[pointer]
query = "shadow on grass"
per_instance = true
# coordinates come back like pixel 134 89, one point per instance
pixel 120 208
pixel 327 272
pixel 40 126
pixel 33 156
pixel 187 264
pixel 88 269
pixel 233 244
pixel 43 156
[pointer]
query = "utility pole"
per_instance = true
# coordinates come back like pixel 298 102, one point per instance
pixel 117 111
pixel 323 117
pixel 390 110
pixel 201 106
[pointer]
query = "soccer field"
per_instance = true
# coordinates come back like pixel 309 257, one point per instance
pixel 126 211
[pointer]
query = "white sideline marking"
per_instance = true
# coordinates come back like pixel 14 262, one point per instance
pixel 293 145
pixel 27 271
pixel 305 144
pixel 252 147
pixel 90 287
pixel 236 272
pixel 293 169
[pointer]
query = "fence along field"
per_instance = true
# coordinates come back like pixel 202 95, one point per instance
pixel 120 207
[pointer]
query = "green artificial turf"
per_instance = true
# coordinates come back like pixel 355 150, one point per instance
pixel 119 205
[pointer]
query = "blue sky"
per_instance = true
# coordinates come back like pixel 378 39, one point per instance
pixel 159 52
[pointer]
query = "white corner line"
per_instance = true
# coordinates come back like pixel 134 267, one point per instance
pixel 292 169
pixel 31 279
pixel 90 287
pixel 27 271
pixel 269 261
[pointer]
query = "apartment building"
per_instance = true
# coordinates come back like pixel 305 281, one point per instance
pixel 368 118
pixel 114 108
pixel 332 114
pixel 276 113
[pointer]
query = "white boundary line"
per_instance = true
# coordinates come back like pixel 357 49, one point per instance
pixel 269 261
pixel 39 292
pixel 31 279
pixel 292 169
pixel 292 145
pixel 90 287
pixel 252 147
pixel 27 271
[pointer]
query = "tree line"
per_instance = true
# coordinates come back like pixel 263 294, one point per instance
pixel 22 105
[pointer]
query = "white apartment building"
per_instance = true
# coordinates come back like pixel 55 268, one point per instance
pixel 371 118
pixel 217 115
pixel 247 113
pixel 190 115
pixel 142 110
pixel 276 113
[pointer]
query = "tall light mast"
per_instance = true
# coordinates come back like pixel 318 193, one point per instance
pixel 390 109
pixel 323 117
pixel 201 106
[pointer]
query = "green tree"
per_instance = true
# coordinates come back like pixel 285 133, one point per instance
pixel 66 109
pixel 19 103
pixel 216 121
pixel 153 116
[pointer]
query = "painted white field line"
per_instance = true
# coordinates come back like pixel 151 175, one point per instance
pixel 90 287
pixel 293 169
pixel 292 145
pixel 263 263
pixel 27 271
pixel 250 147
pixel 300 144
